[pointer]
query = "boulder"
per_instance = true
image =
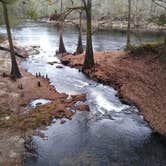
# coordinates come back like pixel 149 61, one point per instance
pixel 83 107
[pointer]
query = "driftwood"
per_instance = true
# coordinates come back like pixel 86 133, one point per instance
pixel 23 55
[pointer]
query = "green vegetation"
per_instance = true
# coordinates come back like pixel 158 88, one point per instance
pixel 153 48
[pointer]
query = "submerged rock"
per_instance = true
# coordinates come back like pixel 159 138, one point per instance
pixel 33 50
pixel 59 67
pixel 65 62
pixel 63 121
pixel 52 63
pixel 83 107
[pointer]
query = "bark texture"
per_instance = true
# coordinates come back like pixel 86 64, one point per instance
pixel 15 73
pixel 62 48
pixel 129 25
pixel 80 49
pixel 89 58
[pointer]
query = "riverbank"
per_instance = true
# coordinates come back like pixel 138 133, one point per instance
pixel 2 38
pixel 140 80
pixel 109 25
pixel 17 119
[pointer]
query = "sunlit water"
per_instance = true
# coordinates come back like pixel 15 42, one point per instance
pixel 112 134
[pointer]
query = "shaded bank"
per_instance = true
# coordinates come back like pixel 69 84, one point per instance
pixel 140 80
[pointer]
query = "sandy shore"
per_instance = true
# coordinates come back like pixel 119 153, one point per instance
pixel 17 120
pixel 139 80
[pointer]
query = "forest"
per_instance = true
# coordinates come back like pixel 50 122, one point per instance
pixel 82 82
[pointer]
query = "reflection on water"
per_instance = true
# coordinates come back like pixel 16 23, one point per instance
pixel 112 134
pixel 38 102
pixel 87 142
pixel 47 37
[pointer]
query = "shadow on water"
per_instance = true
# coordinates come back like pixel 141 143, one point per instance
pixel 88 142
pixel 112 134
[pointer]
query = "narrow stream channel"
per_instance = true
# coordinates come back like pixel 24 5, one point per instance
pixel 112 134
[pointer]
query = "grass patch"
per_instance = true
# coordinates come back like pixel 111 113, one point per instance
pixel 40 116
pixel 153 48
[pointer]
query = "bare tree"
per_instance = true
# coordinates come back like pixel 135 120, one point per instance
pixel 160 3
pixel 62 48
pixel 89 57
pixel 15 73
pixel 80 49
pixel 129 25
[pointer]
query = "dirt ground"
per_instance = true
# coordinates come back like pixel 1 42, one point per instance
pixel 16 119
pixel 140 80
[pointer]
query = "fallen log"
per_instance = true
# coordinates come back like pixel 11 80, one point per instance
pixel 23 55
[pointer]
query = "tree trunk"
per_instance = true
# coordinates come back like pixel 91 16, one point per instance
pixel 62 48
pixel 89 59
pixel 129 25
pixel 79 49
pixel 15 73
pixel 165 44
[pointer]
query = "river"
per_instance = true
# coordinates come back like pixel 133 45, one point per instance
pixel 112 134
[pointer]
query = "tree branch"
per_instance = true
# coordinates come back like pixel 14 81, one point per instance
pixel 159 4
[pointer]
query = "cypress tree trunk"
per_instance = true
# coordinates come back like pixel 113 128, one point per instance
pixel 129 25
pixel 89 59
pixel 15 73
pixel 79 49
pixel 62 48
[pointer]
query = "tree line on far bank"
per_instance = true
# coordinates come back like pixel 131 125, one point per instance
pixel 83 6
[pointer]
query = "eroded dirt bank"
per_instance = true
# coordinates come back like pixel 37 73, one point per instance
pixel 139 80
pixel 17 120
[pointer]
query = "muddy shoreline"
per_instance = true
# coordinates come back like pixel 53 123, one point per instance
pixel 139 81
